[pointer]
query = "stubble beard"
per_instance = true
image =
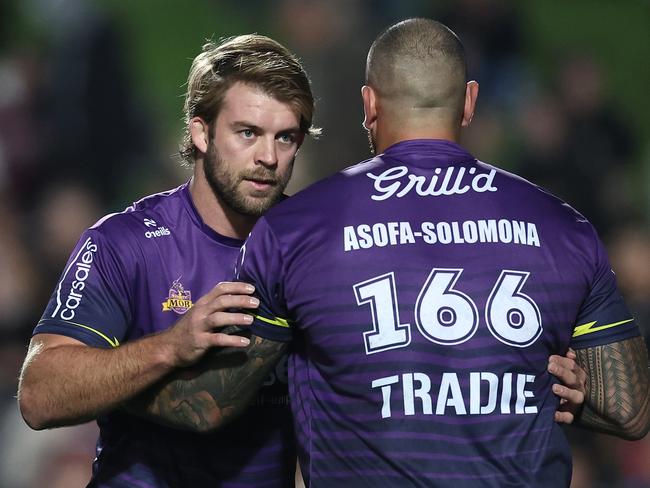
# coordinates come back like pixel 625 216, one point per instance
pixel 225 184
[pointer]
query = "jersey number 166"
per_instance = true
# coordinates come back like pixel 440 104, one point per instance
pixel 447 316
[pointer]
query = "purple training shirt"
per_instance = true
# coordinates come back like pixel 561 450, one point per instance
pixel 136 273
pixel 424 291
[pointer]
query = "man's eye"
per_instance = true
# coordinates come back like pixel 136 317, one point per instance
pixel 247 133
pixel 287 138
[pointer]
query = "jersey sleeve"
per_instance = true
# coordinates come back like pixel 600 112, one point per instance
pixel 603 317
pixel 260 264
pixel 90 302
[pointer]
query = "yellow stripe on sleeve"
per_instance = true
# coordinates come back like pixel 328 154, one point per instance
pixel 589 327
pixel 114 342
pixel 279 321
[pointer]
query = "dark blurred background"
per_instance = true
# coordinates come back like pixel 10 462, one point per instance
pixel 90 120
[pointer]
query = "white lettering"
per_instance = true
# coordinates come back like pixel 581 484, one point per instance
pixel 470 232
pixel 444 232
pixel 406 233
pixel 533 238
pixel 429 234
pixel 82 264
pixel 506 392
pixel 67 314
pixel 455 231
pixel 519 232
pixel 505 231
pixel 382 234
pixel 384 384
pixel 422 392
pixel 365 239
pixel 82 273
pixel 450 395
pixel 159 232
pixel 475 379
pixel 485 393
pixel 350 238
pixel 520 406
pixel 392 183
pixel 388 175
pixel 393 232
pixel 487 231
pixel 487 184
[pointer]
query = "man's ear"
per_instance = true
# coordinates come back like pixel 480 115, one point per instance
pixel 471 94
pixel 200 134
pixel 369 107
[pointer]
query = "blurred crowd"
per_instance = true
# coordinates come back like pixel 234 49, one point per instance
pixel 80 138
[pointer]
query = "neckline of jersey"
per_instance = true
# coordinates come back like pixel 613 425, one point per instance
pixel 450 148
pixel 198 221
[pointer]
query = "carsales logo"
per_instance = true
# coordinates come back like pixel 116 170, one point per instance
pixel 80 268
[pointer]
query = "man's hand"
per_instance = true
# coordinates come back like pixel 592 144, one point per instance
pixel 66 382
pixel 197 331
pixel 573 390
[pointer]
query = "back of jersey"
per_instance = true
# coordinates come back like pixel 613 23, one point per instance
pixel 426 291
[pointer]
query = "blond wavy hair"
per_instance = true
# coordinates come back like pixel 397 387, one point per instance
pixel 254 59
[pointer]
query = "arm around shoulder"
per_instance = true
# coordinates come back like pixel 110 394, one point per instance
pixel 618 388
pixel 66 382
pixel 207 396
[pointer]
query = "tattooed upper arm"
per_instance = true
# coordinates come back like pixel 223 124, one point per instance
pixel 618 388
pixel 208 395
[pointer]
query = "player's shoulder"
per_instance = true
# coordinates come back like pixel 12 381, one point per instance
pixel 564 218
pixel 323 193
pixel 535 195
pixel 146 215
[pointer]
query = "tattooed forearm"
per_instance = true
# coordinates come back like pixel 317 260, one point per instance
pixel 618 389
pixel 214 391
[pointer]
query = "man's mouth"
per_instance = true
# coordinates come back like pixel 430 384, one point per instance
pixel 261 184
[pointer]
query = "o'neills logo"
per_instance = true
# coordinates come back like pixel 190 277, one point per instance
pixel 80 267
pixel 399 182
pixel 159 232
pixel 179 299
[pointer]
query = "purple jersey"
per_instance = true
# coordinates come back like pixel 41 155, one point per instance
pixel 133 274
pixel 424 291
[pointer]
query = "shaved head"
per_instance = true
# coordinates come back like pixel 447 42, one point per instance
pixel 418 64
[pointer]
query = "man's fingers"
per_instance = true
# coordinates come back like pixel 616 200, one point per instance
pixel 564 362
pixel 222 319
pixel 575 397
pixel 568 372
pixel 566 376
pixel 225 340
pixel 564 417
pixel 226 288
pixel 231 302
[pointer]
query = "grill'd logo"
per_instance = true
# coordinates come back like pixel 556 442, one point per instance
pixel 398 181
pixel 179 299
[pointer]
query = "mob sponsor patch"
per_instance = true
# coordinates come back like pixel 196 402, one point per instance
pixel 178 300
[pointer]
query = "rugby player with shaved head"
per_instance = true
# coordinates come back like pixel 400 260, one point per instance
pixel 422 292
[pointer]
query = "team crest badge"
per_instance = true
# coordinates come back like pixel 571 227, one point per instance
pixel 179 299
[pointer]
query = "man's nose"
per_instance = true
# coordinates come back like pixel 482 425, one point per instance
pixel 266 152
